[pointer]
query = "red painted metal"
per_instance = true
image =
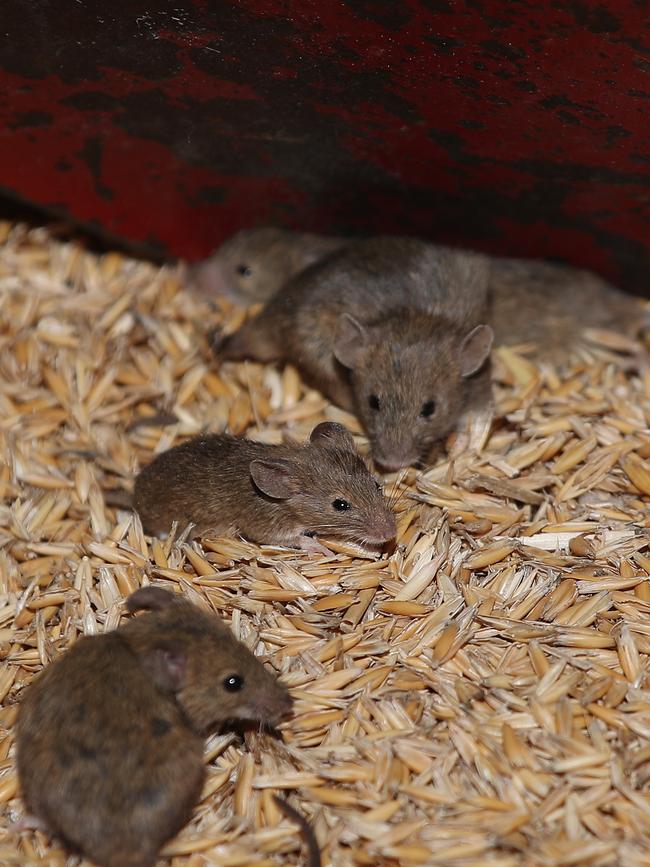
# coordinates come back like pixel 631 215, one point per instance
pixel 517 127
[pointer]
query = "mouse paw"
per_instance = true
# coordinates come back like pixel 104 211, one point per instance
pixel 216 340
pixel 313 546
pixel 29 823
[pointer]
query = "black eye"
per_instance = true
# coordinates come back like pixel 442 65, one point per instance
pixel 380 487
pixel 373 402
pixel 341 505
pixel 244 270
pixel 428 409
pixel 233 683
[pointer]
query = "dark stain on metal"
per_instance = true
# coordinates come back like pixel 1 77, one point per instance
pixel 518 128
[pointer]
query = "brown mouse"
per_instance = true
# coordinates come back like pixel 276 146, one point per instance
pixel 531 301
pixel 550 305
pixel 253 264
pixel 110 735
pixel 393 328
pixel 277 494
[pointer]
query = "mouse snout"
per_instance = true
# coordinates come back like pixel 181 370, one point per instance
pixel 208 278
pixel 274 706
pixel 383 529
pixel 392 452
pixel 393 460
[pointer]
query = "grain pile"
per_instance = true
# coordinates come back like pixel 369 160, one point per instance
pixel 479 698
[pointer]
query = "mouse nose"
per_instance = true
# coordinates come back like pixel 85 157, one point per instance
pixel 281 705
pixel 391 463
pixel 388 528
pixel 392 453
pixel 207 278
pixel 383 530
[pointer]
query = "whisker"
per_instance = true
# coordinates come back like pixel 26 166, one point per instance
pixel 398 493
pixel 395 486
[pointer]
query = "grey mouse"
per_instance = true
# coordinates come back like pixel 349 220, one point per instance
pixel 110 735
pixel 551 305
pixel 251 266
pixel 531 301
pixel 277 494
pixel 391 328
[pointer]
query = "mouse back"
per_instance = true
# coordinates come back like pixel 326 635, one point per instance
pixel 371 276
pixel 551 305
pixel 105 759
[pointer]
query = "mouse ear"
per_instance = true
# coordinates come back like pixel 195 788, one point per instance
pixel 331 433
pixel 315 251
pixel 475 348
pixel 149 599
pixel 166 664
pixel 274 478
pixel 350 341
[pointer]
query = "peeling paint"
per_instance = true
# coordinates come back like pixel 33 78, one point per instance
pixel 520 128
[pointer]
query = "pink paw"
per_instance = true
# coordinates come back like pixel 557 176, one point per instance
pixel 29 823
pixel 313 546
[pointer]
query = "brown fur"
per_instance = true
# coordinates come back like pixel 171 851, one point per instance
pixel 253 264
pixel 550 306
pixel 531 301
pixel 413 305
pixel 110 735
pixel 268 493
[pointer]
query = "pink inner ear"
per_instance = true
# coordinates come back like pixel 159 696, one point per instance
pixel 475 349
pixel 173 665
pixel 350 341
pixel 274 478
pixel 166 666
pixel 309 258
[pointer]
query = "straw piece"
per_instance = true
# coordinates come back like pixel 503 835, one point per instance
pixel 478 696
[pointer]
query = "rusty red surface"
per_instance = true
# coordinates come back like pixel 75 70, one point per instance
pixel 516 127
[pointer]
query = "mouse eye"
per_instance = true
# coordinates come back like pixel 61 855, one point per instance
pixel 374 402
pixel 428 409
pixel 244 270
pixel 233 683
pixel 379 485
pixel 341 505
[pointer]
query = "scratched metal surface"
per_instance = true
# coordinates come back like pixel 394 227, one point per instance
pixel 519 127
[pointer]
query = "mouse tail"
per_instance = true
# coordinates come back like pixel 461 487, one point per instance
pixel 313 849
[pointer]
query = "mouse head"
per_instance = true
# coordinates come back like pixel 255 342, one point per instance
pixel 408 376
pixel 251 266
pixel 190 653
pixel 329 489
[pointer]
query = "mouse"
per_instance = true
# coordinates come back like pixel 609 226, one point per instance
pixel 110 735
pixel 391 328
pixel 551 305
pixel 313 850
pixel 274 494
pixel 253 264
pixel 530 301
